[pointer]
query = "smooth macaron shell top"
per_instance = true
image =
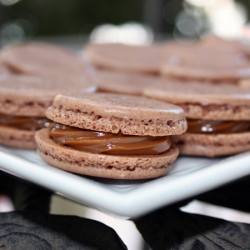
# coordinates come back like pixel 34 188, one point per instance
pixel 206 67
pixel 229 46
pixel 204 100
pixel 36 58
pixel 128 58
pixel 211 59
pixel 32 95
pixel 118 113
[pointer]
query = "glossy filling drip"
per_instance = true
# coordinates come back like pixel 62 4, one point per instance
pixel 108 143
pixel 23 122
pixel 217 126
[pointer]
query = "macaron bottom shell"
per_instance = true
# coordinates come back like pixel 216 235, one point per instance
pixel 101 165
pixel 18 138
pixel 212 145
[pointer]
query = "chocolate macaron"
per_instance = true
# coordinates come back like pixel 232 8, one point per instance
pixel 36 58
pixel 119 57
pixel 111 135
pixel 208 61
pixel 218 116
pixel 23 102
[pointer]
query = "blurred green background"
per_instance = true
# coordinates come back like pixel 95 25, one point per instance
pixel 57 17
pixel 35 18
pixel 71 17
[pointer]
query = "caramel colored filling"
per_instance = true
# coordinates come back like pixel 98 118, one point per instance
pixel 217 126
pixel 108 143
pixel 23 122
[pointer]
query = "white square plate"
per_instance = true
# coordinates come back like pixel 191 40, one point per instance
pixel 128 199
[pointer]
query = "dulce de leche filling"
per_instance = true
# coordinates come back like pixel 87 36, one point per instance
pixel 108 143
pixel 217 126
pixel 23 122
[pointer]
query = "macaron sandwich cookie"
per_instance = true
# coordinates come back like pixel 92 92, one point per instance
pixel 218 116
pixel 111 135
pixel 23 102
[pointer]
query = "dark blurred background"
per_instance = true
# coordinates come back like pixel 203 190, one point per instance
pixel 25 19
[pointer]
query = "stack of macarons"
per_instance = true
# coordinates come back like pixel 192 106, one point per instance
pixel 137 126
pixel 208 79
pixel 104 135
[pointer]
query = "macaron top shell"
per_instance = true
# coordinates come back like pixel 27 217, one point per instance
pixel 218 44
pixel 41 59
pixel 204 101
pixel 211 59
pixel 31 95
pixel 118 113
pixel 208 67
pixel 143 59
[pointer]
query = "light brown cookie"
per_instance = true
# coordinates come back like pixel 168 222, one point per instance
pixel 229 46
pixel 38 58
pixel 218 116
pixel 24 100
pixel 206 65
pixel 212 145
pixel 211 59
pixel 114 113
pixel 18 138
pixel 204 101
pixel 140 59
pixel 111 135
